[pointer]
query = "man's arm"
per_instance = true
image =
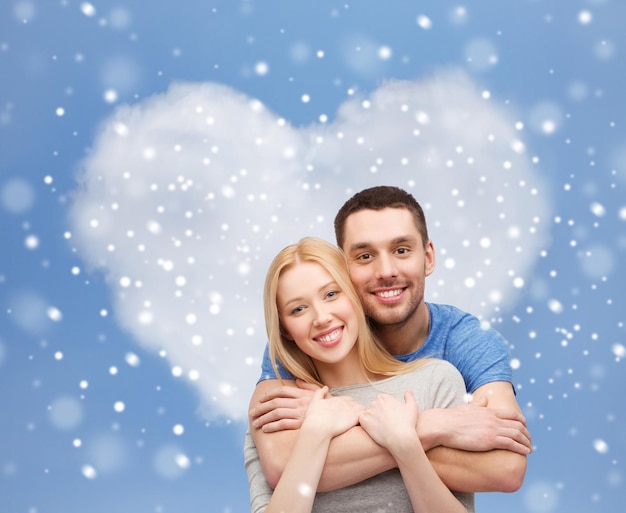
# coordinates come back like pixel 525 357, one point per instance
pixel 492 470
pixel 273 447
pixel 475 464
pixel 353 456
pixel 472 427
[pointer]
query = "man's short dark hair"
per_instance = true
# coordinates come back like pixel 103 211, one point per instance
pixel 379 198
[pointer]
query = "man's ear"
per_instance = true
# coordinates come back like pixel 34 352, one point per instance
pixel 429 258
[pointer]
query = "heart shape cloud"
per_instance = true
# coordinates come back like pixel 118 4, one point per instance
pixel 187 196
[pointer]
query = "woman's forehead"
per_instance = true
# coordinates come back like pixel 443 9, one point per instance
pixel 300 280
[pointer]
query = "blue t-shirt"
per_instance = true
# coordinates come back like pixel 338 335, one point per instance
pixel 481 355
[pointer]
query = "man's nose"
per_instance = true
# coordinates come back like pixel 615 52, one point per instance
pixel 386 267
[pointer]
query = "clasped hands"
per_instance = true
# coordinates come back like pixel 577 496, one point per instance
pixel 470 427
pixel 388 421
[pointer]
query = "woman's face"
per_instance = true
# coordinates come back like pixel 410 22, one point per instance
pixel 316 313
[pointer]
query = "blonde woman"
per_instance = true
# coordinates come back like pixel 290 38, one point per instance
pixel 318 331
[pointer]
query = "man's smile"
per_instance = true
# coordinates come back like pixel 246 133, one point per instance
pixel 391 293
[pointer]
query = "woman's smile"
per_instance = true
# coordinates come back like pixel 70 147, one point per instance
pixel 330 338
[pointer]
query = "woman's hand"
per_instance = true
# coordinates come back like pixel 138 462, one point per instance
pixel 390 422
pixel 331 415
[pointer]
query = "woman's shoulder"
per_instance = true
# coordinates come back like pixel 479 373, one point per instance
pixel 442 369
pixel 440 365
pixel 432 370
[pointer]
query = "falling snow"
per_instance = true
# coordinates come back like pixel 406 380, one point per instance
pixel 153 161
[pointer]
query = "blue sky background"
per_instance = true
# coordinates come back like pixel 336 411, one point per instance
pixel 155 155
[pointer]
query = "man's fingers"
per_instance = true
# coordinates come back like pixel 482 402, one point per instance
pixel 320 393
pixel 282 425
pixel 263 408
pixel 511 415
pixel 275 414
pixel 275 407
pixel 511 444
pixel 286 392
pixel 516 438
pixel 303 385
pixel 519 428
pixel 525 439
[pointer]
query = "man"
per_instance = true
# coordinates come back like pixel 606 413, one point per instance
pixel 477 447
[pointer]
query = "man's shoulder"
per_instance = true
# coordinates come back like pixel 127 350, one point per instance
pixel 445 308
pixel 454 325
pixel 440 312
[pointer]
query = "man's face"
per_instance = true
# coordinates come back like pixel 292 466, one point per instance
pixel 388 263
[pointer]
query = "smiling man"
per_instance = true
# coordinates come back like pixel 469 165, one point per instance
pixel 477 447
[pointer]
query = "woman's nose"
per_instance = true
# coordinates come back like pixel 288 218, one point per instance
pixel 322 318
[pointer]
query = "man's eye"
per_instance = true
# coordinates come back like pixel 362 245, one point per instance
pixel 364 256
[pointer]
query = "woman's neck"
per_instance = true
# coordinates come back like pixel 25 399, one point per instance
pixel 348 371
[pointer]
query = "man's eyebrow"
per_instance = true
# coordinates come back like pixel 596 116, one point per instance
pixel 359 245
pixel 393 242
pixel 404 238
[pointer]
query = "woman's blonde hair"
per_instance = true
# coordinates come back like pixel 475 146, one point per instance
pixel 373 356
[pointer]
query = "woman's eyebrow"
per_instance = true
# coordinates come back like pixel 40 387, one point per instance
pixel 299 299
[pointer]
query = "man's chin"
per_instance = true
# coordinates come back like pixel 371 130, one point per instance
pixel 386 321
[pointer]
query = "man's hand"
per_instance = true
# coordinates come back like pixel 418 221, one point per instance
pixel 475 427
pixel 283 407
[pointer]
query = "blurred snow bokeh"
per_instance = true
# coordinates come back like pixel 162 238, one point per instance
pixel 87 409
pixel 187 195
pixel 17 196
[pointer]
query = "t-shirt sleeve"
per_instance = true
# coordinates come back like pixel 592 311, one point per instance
pixel 481 354
pixel 449 387
pixel 260 490
pixel 267 371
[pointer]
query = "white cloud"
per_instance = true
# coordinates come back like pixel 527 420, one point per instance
pixel 188 195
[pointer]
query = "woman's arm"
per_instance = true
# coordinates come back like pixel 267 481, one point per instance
pixel 353 456
pixel 325 419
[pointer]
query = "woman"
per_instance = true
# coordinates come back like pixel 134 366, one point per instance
pixel 317 330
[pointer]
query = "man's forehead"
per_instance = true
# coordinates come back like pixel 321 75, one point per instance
pixel 368 228
pixel 365 223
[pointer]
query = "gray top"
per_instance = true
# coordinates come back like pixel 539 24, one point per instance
pixel 435 384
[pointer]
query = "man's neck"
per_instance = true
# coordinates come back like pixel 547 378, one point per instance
pixel 407 337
